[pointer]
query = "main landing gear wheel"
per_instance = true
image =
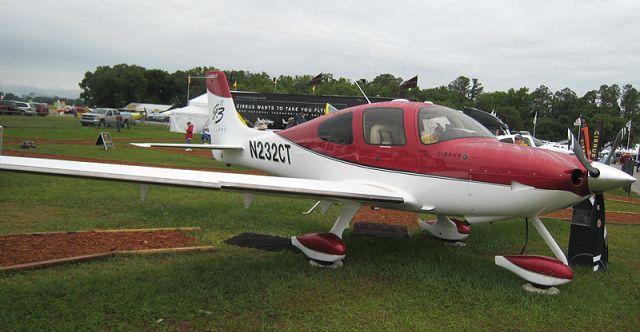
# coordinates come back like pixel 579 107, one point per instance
pixel 327 249
pixel 539 289
pixel 334 265
pixel 323 249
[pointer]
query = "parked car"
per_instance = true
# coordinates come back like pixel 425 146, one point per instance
pixel 159 116
pixel 8 107
pixel 25 108
pixel 42 109
pixel 103 117
pixel 133 114
pixel 77 110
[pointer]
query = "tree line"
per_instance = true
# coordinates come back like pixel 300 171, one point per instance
pixel 610 105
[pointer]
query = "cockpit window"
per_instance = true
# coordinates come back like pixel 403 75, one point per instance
pixel 383 126
pixel 439 123
pixel 337 129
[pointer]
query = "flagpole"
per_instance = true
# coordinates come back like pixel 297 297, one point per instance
pixel 188 85
pixel 628 135
pixel 579 129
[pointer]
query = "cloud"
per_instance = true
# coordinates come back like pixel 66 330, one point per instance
pixel 576 44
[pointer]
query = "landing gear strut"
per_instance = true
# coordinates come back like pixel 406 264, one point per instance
pixel 542 272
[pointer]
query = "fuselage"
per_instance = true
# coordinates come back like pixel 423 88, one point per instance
pixel 465 171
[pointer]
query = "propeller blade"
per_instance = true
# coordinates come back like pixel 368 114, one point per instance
pixel 614 146
pixel 577 150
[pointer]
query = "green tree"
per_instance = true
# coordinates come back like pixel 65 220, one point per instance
pixel 460 89
pixel 384 85
pixel 114 87
pixel 476 89
pixel 630 101
pixel 542 101
pixel 608 99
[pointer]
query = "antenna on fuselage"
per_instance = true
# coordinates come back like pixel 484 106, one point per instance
pixel 359 88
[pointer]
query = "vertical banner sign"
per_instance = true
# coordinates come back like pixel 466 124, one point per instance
pixel 584 139
pixel 595 146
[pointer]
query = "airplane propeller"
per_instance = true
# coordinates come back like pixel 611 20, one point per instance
pixel 614 146
pixel 577 151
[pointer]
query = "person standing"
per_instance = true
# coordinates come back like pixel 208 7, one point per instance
pixel 300 118
pixel 118 121
pixel 189 134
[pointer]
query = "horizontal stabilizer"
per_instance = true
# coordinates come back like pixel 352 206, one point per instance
pixel 189 146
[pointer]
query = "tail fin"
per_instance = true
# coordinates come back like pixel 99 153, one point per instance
pixel 225 123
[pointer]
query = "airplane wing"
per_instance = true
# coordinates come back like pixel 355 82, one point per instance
pixel 189 146
pixel 202 179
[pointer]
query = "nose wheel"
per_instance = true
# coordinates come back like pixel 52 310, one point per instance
pixel 541 272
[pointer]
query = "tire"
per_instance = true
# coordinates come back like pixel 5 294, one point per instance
pixel 101 124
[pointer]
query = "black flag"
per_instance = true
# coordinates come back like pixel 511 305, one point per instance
pixel 316 80
pixel 410 83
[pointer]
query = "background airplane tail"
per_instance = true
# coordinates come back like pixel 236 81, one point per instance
pixel 225 123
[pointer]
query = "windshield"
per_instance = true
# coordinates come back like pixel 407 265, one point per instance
pixel 100 111
pixel 537 142
pixel 438 123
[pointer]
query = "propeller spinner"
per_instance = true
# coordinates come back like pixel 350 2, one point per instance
pixel 602 177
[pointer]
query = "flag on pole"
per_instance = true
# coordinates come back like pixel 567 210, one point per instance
pixel 535 118
pixel 578 121
pixel 410 83
pixel 316 80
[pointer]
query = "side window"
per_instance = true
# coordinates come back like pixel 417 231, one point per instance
pixel 383 126
pixel 338 129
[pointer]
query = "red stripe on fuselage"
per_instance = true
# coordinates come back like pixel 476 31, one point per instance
pixel 474 159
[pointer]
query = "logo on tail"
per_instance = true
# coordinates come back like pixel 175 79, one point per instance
pixel 218 112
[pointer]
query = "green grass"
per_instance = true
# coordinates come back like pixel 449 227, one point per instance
pixel 410 284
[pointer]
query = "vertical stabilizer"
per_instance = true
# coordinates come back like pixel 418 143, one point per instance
pixel 225 124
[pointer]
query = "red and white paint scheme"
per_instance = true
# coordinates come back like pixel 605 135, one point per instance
pixel 400 155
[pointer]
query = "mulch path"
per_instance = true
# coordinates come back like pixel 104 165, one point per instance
pixel 27 248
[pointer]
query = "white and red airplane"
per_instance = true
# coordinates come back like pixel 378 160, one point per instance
pixel 399 155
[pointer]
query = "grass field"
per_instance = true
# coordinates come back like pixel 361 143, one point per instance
pixel 411 284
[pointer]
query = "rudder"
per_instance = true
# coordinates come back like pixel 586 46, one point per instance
pixel 225 124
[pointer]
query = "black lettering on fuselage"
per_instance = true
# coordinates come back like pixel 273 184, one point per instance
pixel 270 151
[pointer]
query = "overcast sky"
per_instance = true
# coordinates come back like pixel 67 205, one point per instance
pixel 580 44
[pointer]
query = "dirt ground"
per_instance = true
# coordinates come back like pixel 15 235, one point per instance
pixel 26 248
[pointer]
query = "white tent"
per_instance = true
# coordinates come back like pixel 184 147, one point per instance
pixel 196 112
